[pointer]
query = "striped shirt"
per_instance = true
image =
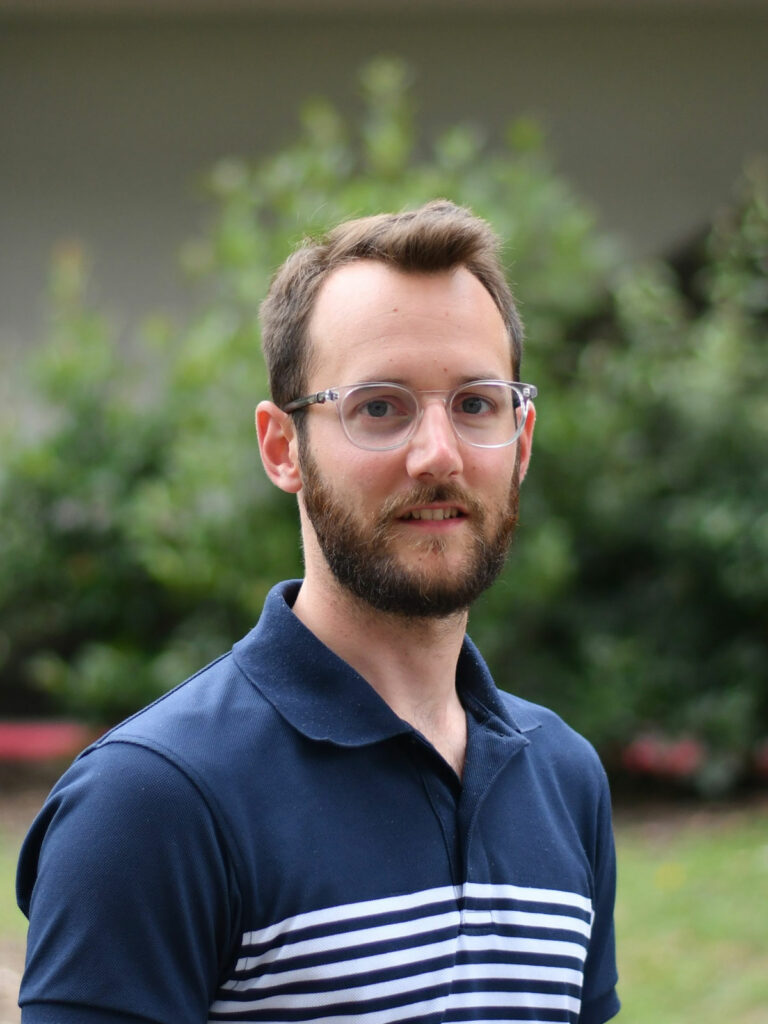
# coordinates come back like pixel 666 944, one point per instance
pixel 437 954
pixel 270 843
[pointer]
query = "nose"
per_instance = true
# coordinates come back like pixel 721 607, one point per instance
pixel 434 450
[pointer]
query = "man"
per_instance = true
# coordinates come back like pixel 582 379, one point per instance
pixel 343 819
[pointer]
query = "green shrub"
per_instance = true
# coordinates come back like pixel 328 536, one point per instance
pixel 651 461
pixel 138 535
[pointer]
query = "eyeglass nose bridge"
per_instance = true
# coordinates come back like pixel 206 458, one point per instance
pixel 445 395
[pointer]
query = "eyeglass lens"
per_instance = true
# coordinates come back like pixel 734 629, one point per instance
pixel 378 416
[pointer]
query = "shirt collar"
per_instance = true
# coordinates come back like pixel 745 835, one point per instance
pixel 322 697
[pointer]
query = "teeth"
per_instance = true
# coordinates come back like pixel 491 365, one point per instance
pixel 433 513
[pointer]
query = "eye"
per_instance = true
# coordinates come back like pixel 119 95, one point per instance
pixel 377 408
pixel 378 403
pixel 470 403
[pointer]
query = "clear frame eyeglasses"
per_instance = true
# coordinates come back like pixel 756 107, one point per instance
pixel 380 416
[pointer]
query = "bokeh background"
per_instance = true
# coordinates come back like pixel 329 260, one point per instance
pixel 160 159
pixel 112 109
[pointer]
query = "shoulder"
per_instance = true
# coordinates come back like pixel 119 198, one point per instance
pixel 224 707
pixel 126 824
pixel 190 726
pixel 176 767
pixel 554 744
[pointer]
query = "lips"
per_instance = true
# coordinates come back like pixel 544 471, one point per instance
pixel 431 504
pixel 433 514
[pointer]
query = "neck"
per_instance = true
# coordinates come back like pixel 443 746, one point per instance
pixel 411 663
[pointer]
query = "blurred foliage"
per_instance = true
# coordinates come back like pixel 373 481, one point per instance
pixel 650 485
pixel 138 535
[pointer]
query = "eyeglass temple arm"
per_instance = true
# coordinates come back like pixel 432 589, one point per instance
pixel 317 399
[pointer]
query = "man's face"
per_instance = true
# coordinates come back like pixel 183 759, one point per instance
pixel 421 530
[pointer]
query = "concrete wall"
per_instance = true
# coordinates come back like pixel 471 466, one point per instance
pixel 106 124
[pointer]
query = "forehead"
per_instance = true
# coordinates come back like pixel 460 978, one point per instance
pixel 371 321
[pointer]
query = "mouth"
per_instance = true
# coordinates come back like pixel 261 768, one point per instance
pixel 433 514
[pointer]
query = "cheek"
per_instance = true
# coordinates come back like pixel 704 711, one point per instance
pixel 490 470
pixel 367 473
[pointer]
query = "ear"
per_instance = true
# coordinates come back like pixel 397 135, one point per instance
pixel 278 446
pixel 525 441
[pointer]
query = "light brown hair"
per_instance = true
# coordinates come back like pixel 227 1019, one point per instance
pixel 438 236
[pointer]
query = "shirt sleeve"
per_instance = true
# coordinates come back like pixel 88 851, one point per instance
pixel 599 999
pixel 130 895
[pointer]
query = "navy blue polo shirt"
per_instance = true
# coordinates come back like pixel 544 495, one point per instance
pixel 269 842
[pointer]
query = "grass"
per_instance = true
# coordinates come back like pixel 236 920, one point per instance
pixel 13 924
pixel 691 920
pixel 691 916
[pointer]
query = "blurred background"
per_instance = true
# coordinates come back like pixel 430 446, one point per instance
pixel 159 158
pixel 112 110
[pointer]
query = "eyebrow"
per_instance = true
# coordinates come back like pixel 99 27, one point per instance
pixel 403 382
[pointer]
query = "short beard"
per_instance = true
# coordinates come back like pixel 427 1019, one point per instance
pixel 361 561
